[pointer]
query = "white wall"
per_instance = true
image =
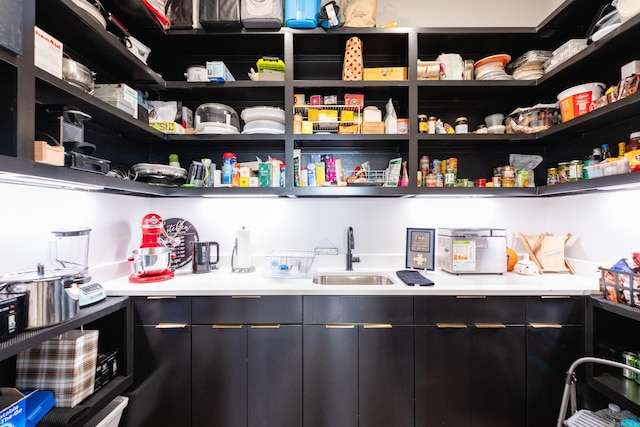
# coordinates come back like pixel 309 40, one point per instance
pixel 601 223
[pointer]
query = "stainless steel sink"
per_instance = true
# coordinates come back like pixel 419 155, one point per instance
pixel 352 279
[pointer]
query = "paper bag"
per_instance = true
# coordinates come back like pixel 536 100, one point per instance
pixel 352 67
pixel 358 13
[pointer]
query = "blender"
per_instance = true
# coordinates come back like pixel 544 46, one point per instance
pixel 71 250
pixel 152 261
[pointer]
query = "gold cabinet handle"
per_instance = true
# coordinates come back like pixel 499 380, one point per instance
pixel 377 326
pixel 339 326
pixel 545 325
pixel 266 326
pixel 471 296
pixel 227 326
pixel 171 325
pixel 489 325
pixel 246 296
pixel 451 326
pixel 162 297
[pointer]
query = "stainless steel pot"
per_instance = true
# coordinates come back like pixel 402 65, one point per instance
pixel 78 75
pixel 51 296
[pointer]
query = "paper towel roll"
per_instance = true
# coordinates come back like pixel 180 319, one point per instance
pixel 244 249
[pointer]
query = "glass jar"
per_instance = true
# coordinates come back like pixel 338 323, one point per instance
pixel 422 124
pixel 462 125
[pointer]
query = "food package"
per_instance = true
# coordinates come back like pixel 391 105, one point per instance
pixel 358 13
pixel 547 251
pixel 391 119
pixel 352 67
pixel 453 66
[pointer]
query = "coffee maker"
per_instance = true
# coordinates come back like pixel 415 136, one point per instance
pixel 152 261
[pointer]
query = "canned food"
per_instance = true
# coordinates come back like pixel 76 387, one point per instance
pixel 419 179
pixel 403 126
pixel 424 165
pixel 552 176
pixel 508 172
pixel 439 180
pixel 436 166
pixel 431 125
pixel 481 182
pixel 496 181
pixel 431 180
pixel 630 359
pixel 449 178
pixel 452 163
pixel 508 182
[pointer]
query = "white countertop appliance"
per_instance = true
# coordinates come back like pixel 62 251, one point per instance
pixel 472 250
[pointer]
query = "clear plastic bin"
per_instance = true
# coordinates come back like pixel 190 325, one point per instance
pixel 289 264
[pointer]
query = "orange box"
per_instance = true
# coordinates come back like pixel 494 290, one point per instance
pixel 354 99
pixel 385 73
pixel 45 153
pixel 373 128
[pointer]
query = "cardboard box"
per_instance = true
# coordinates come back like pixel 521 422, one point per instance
pixel 14 407
pixel 385 73
pixel 120 95
pixel 218 72
pixel 47 52
pixel 373 128
pixel 45 153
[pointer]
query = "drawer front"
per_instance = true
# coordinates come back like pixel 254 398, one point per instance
pixel 567 310
pixel 162 310
pixel 244 309
pixel 358 309
pixel 469 310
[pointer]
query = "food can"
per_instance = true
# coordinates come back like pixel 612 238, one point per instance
pixel 563 172
pixel 452 163
pixel 522 178
pixel 419 179
pixel 508 172
pixel 449 178
pixel 575 171
pixel 436 166
pixel 480 182
pixel 403 126
pixel 630 359
pixel 552 176
pixel 439 180
pixel 431 125
pixel 496 181
pixel 431 180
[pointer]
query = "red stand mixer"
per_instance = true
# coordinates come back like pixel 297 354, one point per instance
pixel 152 262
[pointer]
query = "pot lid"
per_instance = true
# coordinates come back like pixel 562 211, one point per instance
pixel 41 275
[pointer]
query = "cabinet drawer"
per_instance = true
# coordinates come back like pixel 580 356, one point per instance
pixel 559 310
pixel 469 310
pixel 157 310
pixel 358 309
pixel 247 309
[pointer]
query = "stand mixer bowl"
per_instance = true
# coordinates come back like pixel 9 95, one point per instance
pixel 151 261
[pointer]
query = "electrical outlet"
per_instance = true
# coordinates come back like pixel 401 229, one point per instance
pixel 325 251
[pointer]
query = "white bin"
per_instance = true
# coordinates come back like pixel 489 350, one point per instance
pixel 117 406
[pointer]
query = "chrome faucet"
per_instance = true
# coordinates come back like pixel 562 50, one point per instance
pixel 350 258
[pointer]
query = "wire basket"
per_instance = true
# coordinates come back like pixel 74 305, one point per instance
pixel 289 264
pixel 619 286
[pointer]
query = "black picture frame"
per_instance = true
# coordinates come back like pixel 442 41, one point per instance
pixel 420 248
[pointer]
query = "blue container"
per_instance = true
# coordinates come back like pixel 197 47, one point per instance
pixel 301 13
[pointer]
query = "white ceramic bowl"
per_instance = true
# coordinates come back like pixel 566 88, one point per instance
pixel 263 126
pixel 262 113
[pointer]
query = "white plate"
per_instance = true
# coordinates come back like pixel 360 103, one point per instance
pixel 215 128
pixel 600 34
pixel 263 126
pixel 262 130
pixel 262 113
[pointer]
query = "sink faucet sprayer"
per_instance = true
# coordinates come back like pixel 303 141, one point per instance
pixel 350 258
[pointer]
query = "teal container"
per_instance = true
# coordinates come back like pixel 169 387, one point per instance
pixel 301 13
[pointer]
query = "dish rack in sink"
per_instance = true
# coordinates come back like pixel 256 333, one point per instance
pixel 289 264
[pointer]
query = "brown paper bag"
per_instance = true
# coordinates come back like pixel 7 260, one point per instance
pixel 358 13
pixel 352 67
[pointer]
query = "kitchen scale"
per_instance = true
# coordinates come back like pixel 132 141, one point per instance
pixel 71 250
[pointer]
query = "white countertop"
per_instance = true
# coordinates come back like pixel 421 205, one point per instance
pixel 225 282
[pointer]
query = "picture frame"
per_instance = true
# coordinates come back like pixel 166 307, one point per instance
pixel 420 248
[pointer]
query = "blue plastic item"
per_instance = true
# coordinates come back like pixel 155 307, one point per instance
pixel 301 13
pixel 38 404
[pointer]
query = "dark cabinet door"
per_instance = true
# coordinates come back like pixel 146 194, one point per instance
pixel 330 375
pixel 498 376
pixel 274 376
pixel 162 371
pixel 386 370
pixel 443 390
pixel 550 352
pixel 219 379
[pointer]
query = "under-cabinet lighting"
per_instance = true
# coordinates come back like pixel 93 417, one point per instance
pixel 16 178
pixel 629 186
pixel 240 196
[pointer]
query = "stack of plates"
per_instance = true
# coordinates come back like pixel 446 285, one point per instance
pixel 268 120
pixel 529 65
pixel 492 68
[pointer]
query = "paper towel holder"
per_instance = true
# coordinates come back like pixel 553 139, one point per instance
pixel 235 269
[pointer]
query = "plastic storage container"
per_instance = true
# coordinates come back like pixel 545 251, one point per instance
pixel 301 13
pixel 261 13
pixel 117 407
pixel 532 119
pixel 577 101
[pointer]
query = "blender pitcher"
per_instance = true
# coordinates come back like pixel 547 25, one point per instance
pixel 70 249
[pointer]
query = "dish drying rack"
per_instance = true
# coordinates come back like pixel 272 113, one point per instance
pixel 289 264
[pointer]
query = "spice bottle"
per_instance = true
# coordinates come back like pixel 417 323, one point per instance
pixel 605 151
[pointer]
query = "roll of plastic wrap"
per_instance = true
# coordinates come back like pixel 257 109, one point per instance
pixel 244 249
